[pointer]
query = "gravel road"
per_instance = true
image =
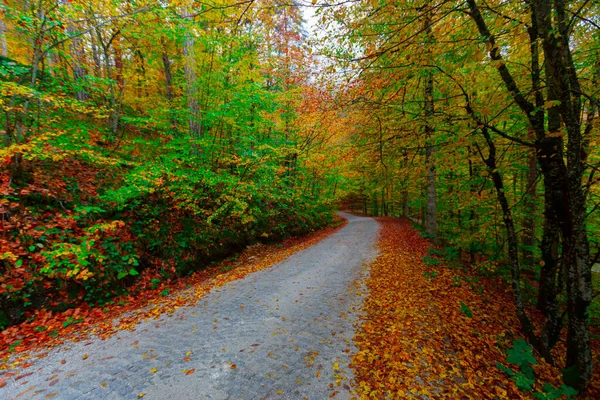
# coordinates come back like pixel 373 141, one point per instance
pixel 283 332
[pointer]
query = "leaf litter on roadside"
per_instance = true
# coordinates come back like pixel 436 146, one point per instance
pixel 430 338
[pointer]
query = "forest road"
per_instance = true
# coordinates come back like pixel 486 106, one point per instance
pixel 282 333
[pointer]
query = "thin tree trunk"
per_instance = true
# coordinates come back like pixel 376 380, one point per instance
pixel 3 43
pixel 513 243
pixel 191 84
pixel 169 88
pixel 77 64
pixel 431 225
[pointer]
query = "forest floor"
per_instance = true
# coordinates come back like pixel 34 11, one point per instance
pixel 436 329
pixel 368 310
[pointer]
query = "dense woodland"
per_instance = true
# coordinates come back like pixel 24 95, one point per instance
pixel 142 140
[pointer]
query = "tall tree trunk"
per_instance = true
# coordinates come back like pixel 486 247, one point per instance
pixel 77 64
pixel 512 239
pixel 563 182
pixel 562 80
pixel 169 88
pixel 530 209
pixel 431 224
pixel 3 43
pixel 191 84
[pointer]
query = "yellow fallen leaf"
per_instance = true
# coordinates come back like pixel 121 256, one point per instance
pixel 153 370
pixel 85 356
pixel 104 384
pixel 336 366
pixel 141 395
pixel 279 392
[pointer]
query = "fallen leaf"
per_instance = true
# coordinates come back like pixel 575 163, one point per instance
pixel 191 371
pixel 85 356
pixel 153 370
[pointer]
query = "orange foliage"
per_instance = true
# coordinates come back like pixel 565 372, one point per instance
pixel 415 340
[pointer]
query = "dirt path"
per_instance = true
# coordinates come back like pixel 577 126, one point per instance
pixel 284 332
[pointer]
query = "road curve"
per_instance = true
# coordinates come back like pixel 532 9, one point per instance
pixel 283 332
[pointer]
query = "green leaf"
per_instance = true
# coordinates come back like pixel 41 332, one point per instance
pixel 523 382
pixel 133 272
pixel 122 275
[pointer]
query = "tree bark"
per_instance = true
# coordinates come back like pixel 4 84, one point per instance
pixel 3 43
pixel 431 224
pixel 563 84
pixel 77 65
pixel 191 85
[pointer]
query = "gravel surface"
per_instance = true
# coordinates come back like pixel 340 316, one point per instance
pixel 283 332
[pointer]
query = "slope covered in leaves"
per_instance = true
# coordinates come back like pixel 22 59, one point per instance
pixel 431 330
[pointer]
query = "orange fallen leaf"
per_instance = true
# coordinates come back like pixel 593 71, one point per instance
pixel 191 371
pixel 233 366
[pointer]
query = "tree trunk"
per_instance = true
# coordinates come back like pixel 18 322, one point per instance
pixel 169 88
pixel 563 182
pixel 431 225
pixel 191 84
pixel 3 43
pixel 513 244
pixel 530 209
pixel 562 81
pixel 77 65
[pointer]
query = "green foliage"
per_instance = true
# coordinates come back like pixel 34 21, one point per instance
pixel 466 310
pixel 521 355
pixel 551 392
pixel 430 275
